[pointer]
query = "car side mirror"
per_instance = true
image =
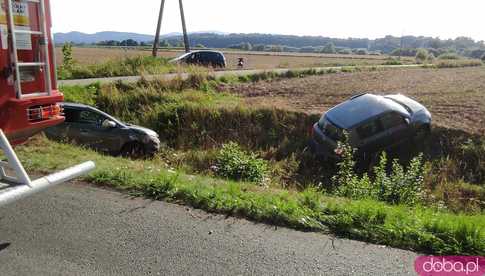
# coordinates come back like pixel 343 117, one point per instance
pixel 108 124
pixel 408 122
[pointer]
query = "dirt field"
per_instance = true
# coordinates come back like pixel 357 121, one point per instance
pixel 455 97
pixel 254 60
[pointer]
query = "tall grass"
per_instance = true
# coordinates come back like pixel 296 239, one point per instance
pixel 114 68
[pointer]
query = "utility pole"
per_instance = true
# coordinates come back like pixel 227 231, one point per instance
pixel 184 27
pixel 159 26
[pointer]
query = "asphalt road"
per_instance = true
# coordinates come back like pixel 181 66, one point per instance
pixel 77 229
pixel 131 79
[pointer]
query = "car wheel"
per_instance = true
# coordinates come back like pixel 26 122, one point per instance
pixel 133 150
pixel 151 149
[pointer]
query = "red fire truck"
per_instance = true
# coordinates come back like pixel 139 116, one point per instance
pixel 28 92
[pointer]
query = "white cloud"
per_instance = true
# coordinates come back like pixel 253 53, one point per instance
pixel 351 18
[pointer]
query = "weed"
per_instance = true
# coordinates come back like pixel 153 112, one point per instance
pixel 234 163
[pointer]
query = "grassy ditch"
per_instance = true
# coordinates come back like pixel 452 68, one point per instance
pixel 416 228
pixel 194 121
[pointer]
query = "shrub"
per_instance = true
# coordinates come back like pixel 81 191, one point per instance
pixel 329 48
pixel 234 163
pixel 67 60
pixel 392 61
pixel 401 186
pixel 421 55
pixel 449 56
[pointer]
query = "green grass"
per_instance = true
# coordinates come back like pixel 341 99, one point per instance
pixel 114 68
pixel 421 229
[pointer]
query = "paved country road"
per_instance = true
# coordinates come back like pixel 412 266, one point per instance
pixel 78 229
pixel 131 79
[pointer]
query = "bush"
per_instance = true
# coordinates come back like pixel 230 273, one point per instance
pixel 421 55
pixel 361 52
pixel 392 61
pixel 68 60
pixel 234 163
pixel 449 56
pixel 401 186
pixel 329 48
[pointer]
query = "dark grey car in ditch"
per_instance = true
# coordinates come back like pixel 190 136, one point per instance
pixel 86 125
pixel 372 123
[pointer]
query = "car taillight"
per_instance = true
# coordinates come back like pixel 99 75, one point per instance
pixel 311 131
pixel 45 112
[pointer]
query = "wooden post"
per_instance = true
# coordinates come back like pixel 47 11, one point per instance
pixel 156 42
pixel 184 27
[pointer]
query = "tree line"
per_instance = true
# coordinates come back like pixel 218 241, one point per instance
pixel 405 46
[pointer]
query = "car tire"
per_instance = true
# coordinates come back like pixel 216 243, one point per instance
pixel 133 150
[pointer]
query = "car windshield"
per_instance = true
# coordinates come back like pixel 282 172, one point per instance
pixel 183 56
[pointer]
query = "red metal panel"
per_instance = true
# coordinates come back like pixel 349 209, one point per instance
pixel 13 111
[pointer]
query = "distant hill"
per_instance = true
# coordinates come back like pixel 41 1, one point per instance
pixel 83 38
pixel 78 37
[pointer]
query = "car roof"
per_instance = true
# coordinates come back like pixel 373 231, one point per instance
pixel 362 107
pixel 207 51
pixel 76 105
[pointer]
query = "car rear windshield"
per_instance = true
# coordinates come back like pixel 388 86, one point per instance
pixel 331 130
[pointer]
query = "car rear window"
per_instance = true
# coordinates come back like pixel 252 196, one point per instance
pixel 331 130
pixel 369 129
pixel 391 120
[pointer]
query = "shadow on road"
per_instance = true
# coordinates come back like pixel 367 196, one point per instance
pixel 4 246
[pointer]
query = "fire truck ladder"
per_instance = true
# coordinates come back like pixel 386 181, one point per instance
pixel 17 65
pixel 15 183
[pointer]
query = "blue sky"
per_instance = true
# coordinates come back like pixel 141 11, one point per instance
pixel 349 18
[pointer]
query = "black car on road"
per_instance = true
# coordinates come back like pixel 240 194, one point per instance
pixel 214 59
pixel 371 122
pixel 86 125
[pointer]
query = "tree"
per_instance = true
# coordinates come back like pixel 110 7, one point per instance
pixel 164 44
pixel 421 55
pixel 246 46
pixel 259 47
pixel 129 42
pixel 329 48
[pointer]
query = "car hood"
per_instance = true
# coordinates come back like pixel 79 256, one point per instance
pixel 144 130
